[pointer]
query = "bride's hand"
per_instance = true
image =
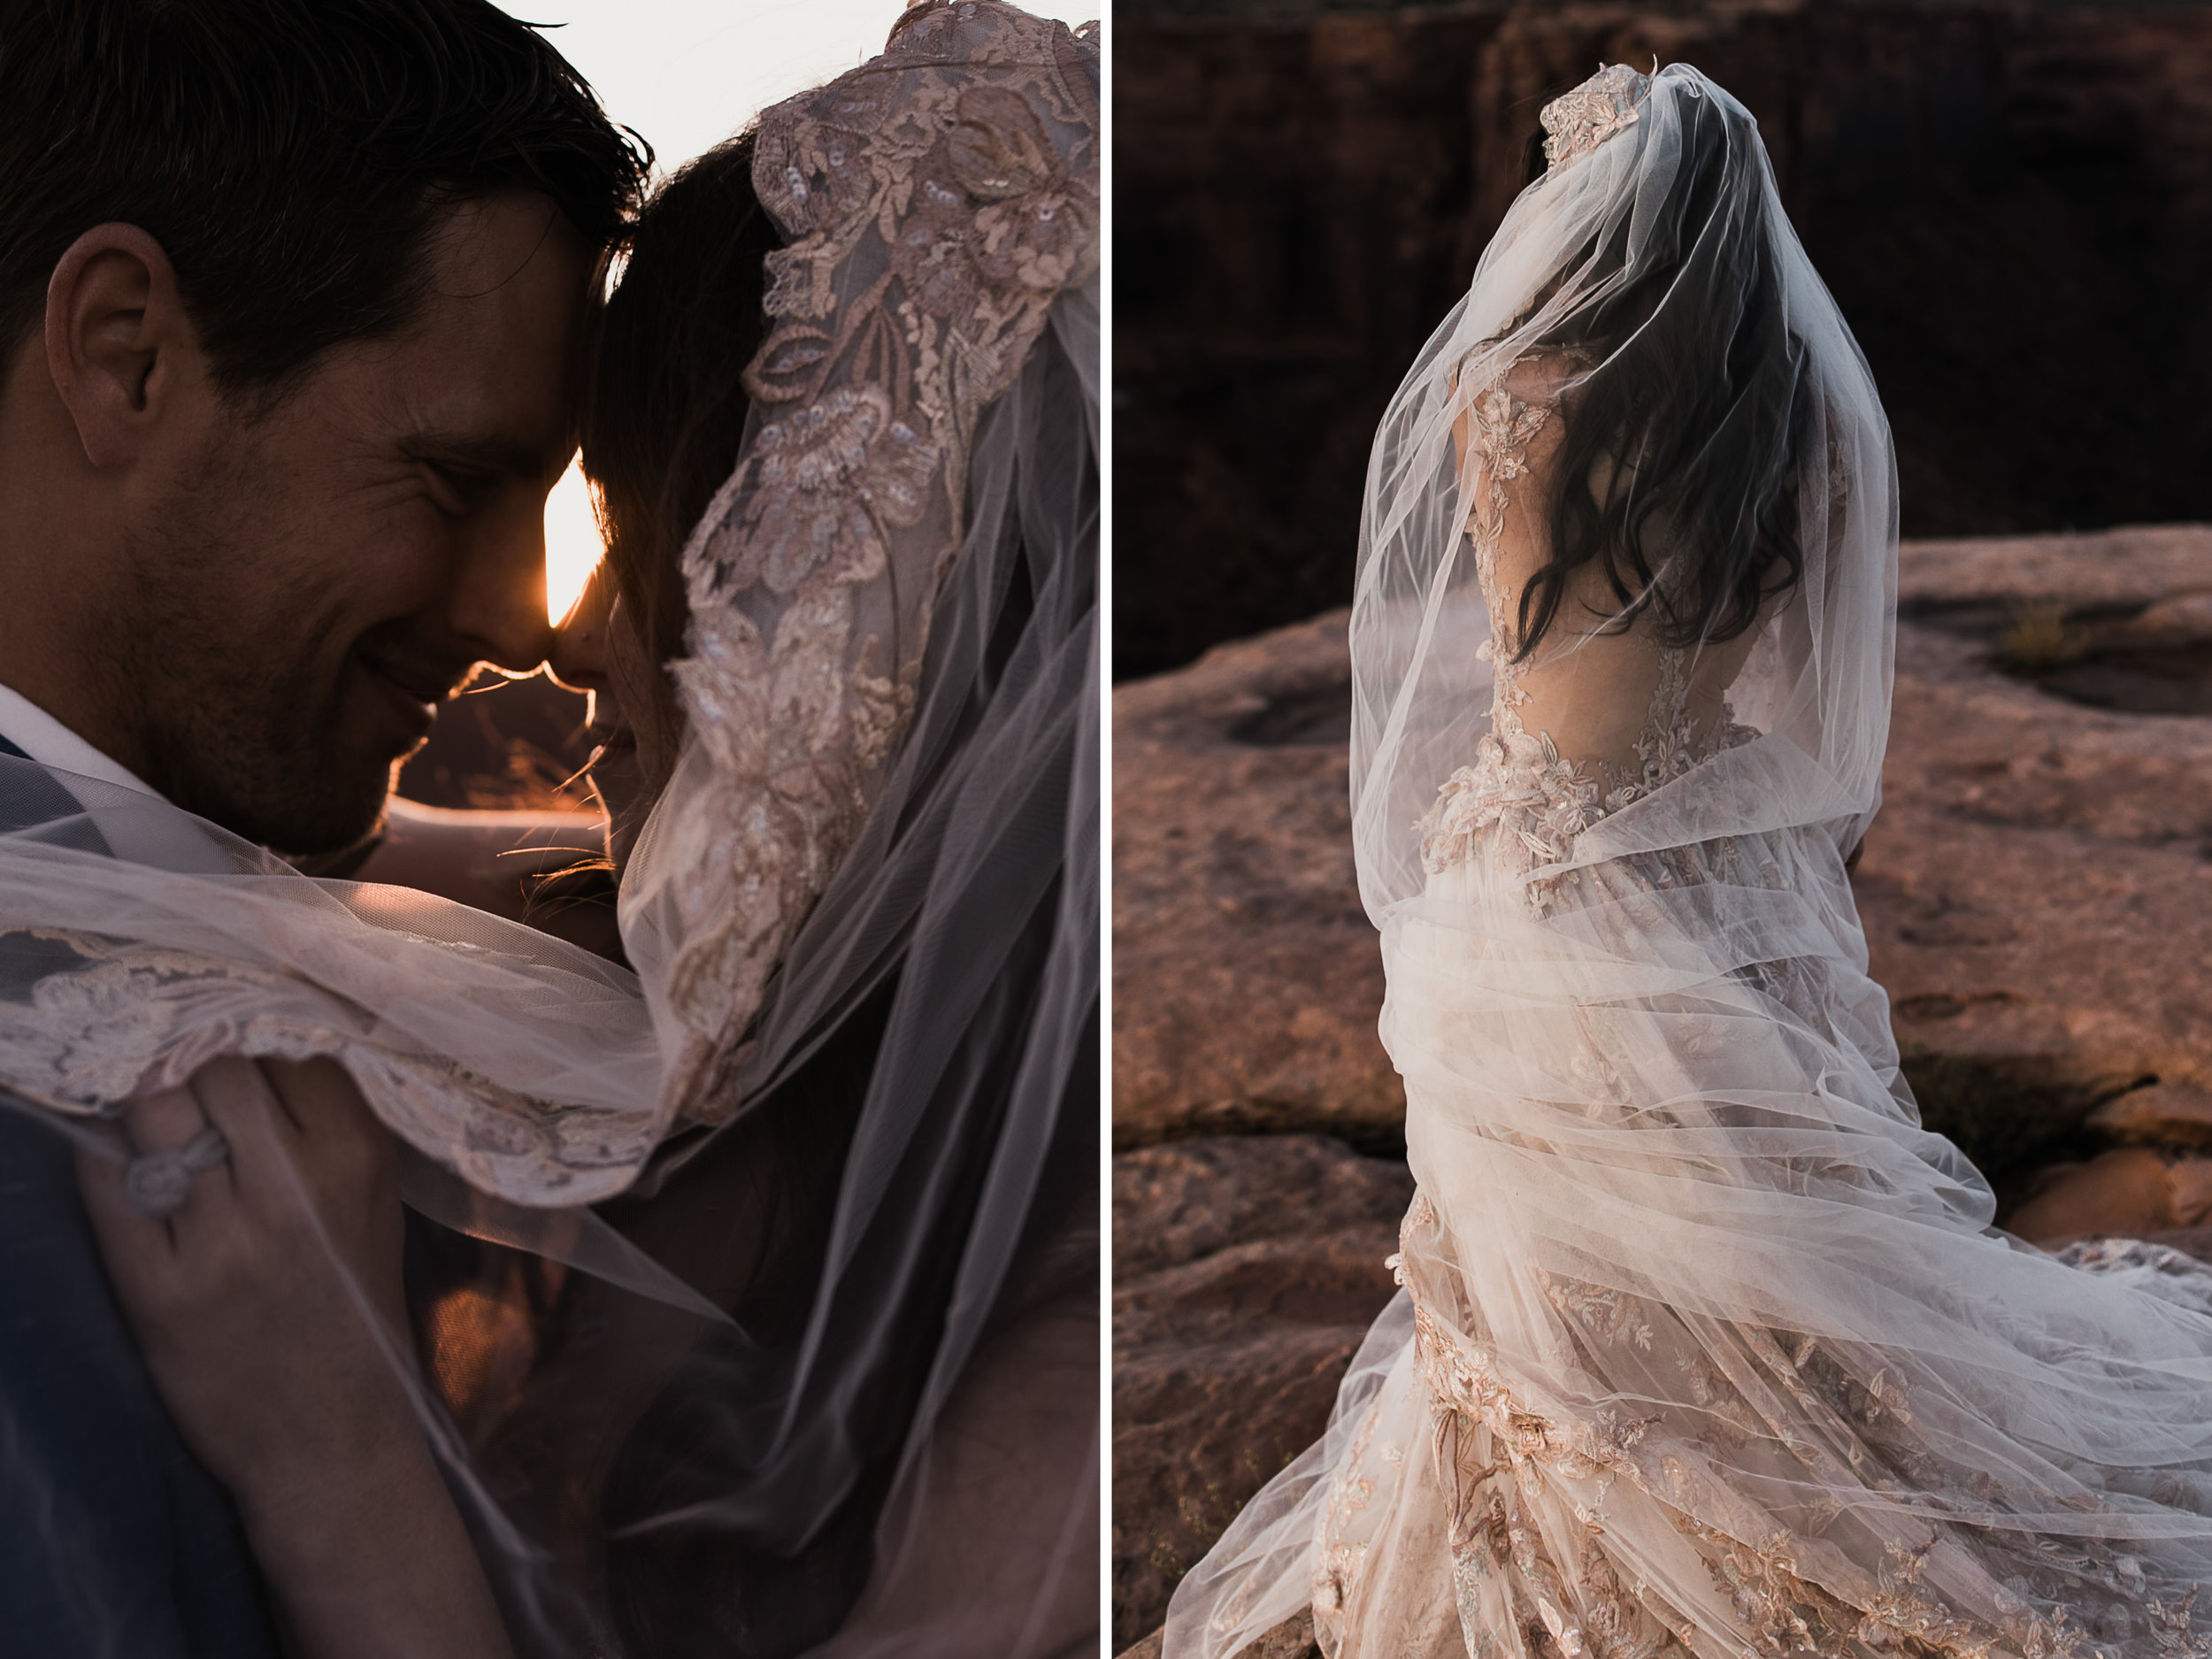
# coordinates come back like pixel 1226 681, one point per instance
pixel 268 1305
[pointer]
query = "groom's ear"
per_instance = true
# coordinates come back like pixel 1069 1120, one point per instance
pixel 119 344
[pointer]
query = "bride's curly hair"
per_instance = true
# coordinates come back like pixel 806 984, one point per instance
pixel 1683 448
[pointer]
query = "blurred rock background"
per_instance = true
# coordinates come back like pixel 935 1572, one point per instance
pixel 2011 200
pixel 2012 204
pixel 504 745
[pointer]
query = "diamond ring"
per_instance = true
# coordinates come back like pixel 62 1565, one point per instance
pixel 157 1183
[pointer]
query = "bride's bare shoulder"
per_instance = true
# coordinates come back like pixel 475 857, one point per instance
pixel 1539 374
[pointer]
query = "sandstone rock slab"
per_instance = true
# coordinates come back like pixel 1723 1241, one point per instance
pixel 2134 566
pixel 1247 1270
pixel 2164 1114
pixel 2128 1192
pixel 2035 893
pixel 1247 978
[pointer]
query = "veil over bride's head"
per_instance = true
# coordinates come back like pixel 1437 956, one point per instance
pixel 1722 476
pixel 1706 1344
pixel 877 851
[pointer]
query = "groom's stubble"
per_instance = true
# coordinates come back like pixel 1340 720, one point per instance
pixel 222 656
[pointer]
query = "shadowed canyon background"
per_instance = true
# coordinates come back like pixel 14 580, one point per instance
pixel 2012 203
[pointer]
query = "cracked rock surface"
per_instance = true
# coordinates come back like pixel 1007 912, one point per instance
pixel 1246 1271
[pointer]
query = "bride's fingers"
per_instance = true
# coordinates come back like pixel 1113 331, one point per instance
pixel 342 1144
pixel 263 1139
pixel 163 1120
pixel 312 1162
pixel 349 1166
pixel 319 1096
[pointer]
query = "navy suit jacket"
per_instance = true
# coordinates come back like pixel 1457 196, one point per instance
pixel 115 1542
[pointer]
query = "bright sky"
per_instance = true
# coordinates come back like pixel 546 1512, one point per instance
pixel 686 74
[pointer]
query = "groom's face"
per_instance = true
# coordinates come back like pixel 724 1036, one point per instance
pixel 329 572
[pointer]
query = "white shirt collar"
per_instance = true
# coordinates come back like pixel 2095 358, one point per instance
pixel 55 746
pixel 138 824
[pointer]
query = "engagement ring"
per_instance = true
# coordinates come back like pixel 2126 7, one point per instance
pixel 157 1183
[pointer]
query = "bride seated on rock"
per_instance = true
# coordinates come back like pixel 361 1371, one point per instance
pixel 1704 1346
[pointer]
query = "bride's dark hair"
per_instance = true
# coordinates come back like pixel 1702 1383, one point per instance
pixel 746 1219
pixel 1682 446
pixel 660 428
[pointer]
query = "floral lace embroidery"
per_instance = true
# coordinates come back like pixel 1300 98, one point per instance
pixel 1610 1315
pixel 1519 786
pixel 938 200
pixel 1503 1463
pixel 1576 123
pixel 1336 1563
pixel 129 1019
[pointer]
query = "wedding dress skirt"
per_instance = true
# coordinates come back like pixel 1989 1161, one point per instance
pixel 1704 1346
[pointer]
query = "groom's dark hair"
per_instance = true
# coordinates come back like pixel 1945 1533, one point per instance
pixel 291 156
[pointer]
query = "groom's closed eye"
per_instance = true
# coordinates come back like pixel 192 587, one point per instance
pixel 457 490
pixel 464 472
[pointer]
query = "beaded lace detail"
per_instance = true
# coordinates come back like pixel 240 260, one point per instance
pixel 1576 122
pixel 1520 789
pixel 938 200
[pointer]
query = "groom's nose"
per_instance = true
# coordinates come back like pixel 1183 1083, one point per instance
pixel 497 600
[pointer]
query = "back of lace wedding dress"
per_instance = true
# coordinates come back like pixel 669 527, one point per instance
pixel 1705 1346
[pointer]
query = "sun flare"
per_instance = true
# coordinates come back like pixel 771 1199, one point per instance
pixel 574 546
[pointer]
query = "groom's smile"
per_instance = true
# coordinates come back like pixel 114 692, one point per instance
pixel 416 689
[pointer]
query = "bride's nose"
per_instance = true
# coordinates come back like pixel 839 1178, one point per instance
pixel 578 657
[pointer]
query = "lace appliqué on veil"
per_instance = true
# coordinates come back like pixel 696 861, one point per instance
pixel 1576 122
pixel 938 200
pixel 126 1019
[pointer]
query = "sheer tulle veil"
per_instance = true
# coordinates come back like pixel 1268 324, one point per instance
pixel 1819 686
pixel 888 796
pixel 1705 1344
pixel 890 770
